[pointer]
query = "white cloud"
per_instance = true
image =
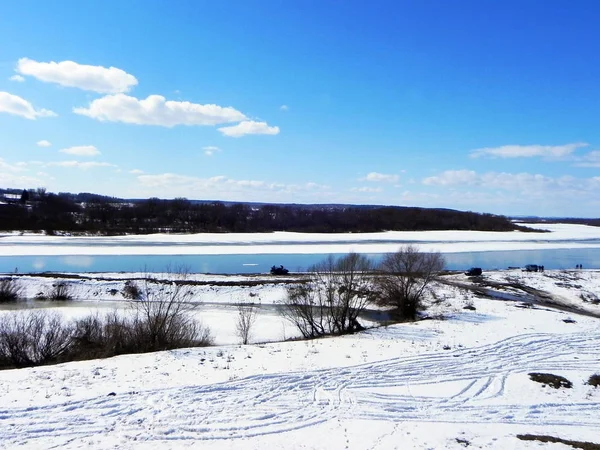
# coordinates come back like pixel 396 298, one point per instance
pixel 210 150
pixel 452 178
pixel 528 151
pixel 366 189
pixel 18 106
pixel 44 143
pixel 284 108
pixel 591 159
pixel 136 172
pixel 18 181
pixel 530 185
pixel 17 78
pixel 249 127
pixel 381 177
pixel 100 79
pixel 156 110
pixel 81 165
pixel 81 150
pixel 10 167
pixel 170 184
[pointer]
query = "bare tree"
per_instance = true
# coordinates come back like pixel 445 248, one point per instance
pixel 164 315
pixel 404 276
pixel 245 320
pixel 332 298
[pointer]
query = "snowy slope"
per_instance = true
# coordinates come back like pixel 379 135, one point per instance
pixel 422 385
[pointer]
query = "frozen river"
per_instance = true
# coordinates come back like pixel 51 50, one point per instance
pixel 261 263
pixel 563 247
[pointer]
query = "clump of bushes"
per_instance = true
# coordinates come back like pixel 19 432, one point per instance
pixel 556 440
pixel 60 291
pixel 548 379
pixel 33 338
pixel 594 380
pixel 131 290
pixel 10 290
pixel 159 320
pixel 100 337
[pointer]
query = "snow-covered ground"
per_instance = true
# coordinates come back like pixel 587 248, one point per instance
pixel 560 236
pixel 434 384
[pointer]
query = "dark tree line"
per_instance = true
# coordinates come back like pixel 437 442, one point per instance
pixel 38 210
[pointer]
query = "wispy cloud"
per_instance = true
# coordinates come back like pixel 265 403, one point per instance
pixel 210 150
pixel 380 178
pixel 366 189
pixel 44 143
pixel 223 187
pixel 248 127
pixel 528 151
pixel 284 108
pixel 17 78
pixel 83 165
pixel 81 150
pixel 156 110
pixel 591 159
pixel 17 106
pixel 104 80
pixel 531 185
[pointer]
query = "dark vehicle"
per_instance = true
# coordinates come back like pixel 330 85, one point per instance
pixel 474 272
pixel 279 270
pixel 531 268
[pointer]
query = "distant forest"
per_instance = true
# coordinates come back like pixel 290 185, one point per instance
pixel 38 210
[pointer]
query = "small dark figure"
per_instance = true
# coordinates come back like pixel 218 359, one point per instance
pixel 356 326
pixel 279 270
pixel 541 268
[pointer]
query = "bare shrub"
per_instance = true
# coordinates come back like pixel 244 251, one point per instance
pixel 163 317
pixel 403 277
pixel 556 440
pixel 10 290
pixel 594 380
pixel 32 338
pixel 98 336
pixel 330 301
pixel 131 290
pixel 245 320
pixel 61 290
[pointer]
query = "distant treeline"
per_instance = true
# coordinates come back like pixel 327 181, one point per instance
pixel 38 210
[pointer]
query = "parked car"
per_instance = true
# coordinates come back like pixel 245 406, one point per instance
pixel 474 272
pixel 531 268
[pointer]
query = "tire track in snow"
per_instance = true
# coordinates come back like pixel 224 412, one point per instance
pixel 453 387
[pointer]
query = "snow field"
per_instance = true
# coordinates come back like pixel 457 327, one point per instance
pixel 561 236
pixel 419 385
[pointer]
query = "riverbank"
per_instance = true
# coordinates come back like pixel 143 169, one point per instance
pixel 572 286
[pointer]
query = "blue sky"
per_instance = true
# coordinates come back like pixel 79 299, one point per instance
pixel 475 105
